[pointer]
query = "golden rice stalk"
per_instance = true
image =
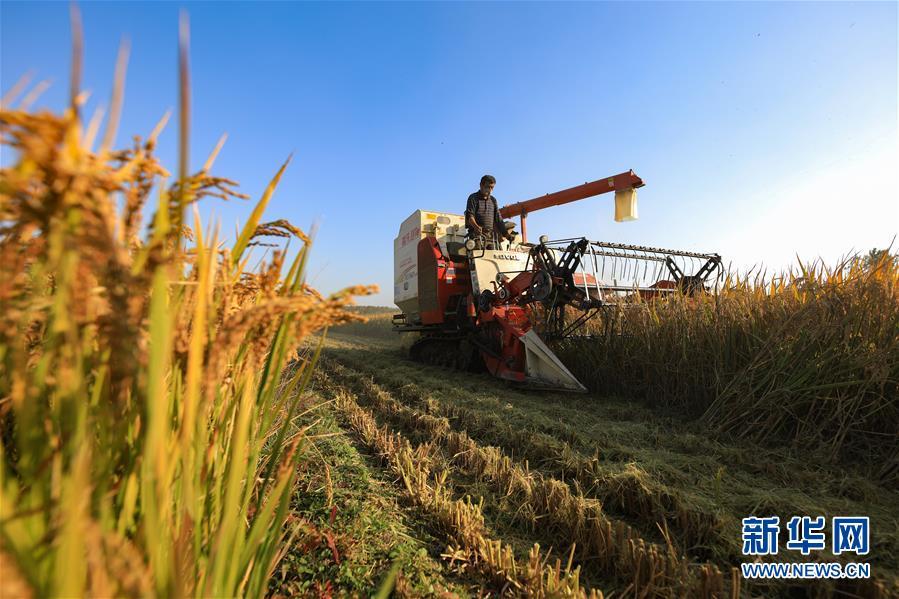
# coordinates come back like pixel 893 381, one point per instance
pixel 147 441
pixel 808 357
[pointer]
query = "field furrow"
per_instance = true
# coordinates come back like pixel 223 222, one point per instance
pixel 604 547
pixel 623 491
pixel 460 520
pixel 640 501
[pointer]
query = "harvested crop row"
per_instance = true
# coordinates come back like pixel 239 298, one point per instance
pixel 610 547
pixel 625 492
pixel 461 521
pixel 874 587
pixel 709 475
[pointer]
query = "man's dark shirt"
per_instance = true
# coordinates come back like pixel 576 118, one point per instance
pixel 486 213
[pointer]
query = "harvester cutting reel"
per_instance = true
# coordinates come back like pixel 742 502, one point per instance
pixel 569 281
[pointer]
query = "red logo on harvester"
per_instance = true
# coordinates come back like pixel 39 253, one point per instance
pixel 409 236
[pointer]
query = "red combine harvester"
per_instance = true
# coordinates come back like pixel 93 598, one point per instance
pixel 478 303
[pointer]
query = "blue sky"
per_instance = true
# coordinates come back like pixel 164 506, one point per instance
pixel 762 130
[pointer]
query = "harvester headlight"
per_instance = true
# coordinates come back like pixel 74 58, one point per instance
pixel 469 244
pixel 544 239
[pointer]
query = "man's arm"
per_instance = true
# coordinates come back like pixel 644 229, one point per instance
pixel 470 221
pixel 472 224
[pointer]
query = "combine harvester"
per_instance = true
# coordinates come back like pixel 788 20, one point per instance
pixel 477 303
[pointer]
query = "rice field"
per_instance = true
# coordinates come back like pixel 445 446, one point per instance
pixel 809 358
pixel 176 423
pixel 636 499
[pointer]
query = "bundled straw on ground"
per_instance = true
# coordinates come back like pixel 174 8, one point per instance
pixel 147 443
pixel 811 358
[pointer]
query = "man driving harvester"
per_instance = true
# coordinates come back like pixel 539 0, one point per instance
pixel 482 215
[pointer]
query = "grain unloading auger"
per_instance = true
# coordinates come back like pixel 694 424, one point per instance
pixel 485 303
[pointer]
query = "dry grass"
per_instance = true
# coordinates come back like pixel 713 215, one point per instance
pixel 629 492
pixel 610 547
pixel 461 521
pixel 147 447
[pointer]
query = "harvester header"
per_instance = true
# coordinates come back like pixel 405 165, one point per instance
pixel 479 303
